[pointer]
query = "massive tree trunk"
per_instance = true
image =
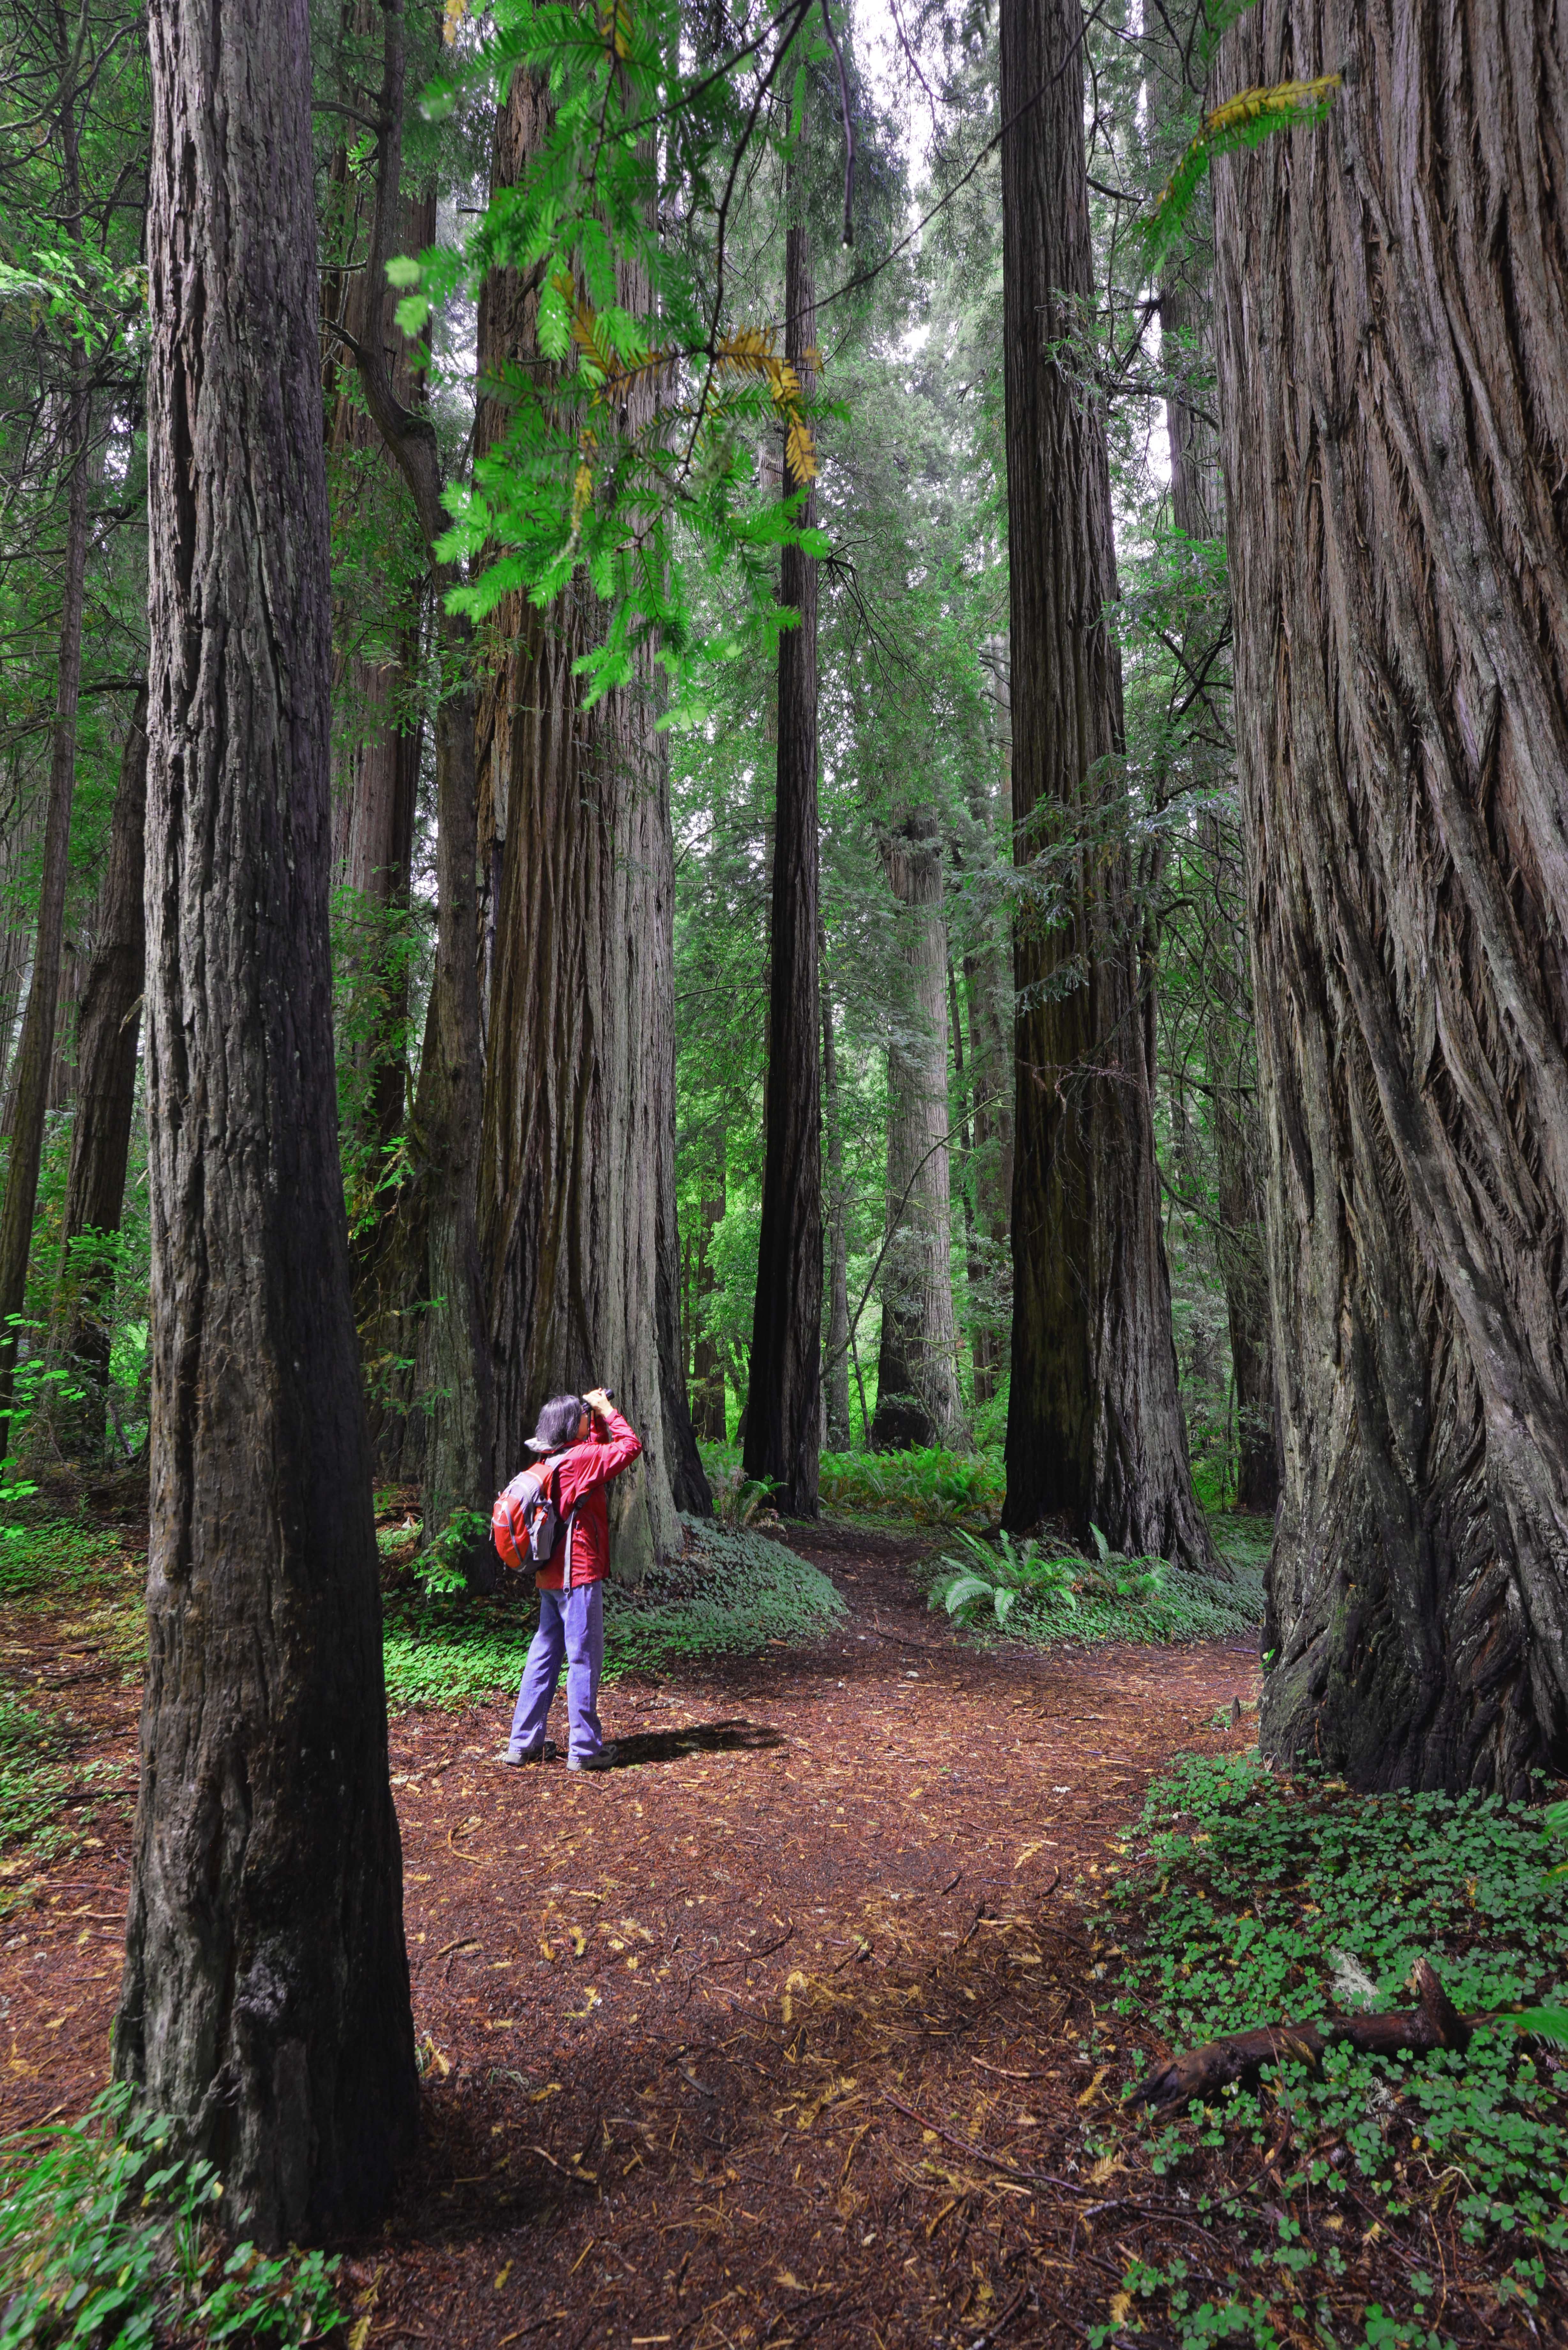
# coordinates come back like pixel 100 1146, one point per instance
pixel 835 1373
pixel 1094 1431
pixel 107 1033
pixel 578 1179
pixel 784 1402
pixel 1394 309
pixel 265 2006
pixel 918 1396
pixel 439 1232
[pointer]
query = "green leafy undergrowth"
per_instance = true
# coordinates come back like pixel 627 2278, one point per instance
pixel 1041 1595
pixel 925 1487
pixel 56 1560
pixel 1259 1901
pixel 35 1784
pixel 106 2240
pixel 732 1591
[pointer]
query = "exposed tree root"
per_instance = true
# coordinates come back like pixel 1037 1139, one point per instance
pixel 1435 2023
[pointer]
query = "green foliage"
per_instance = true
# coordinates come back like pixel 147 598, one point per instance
pixel 1244 120
pixel 55 1559
pixel 106 2243
pixel 1036 1596
pixel 998 1577
pixel 925 1486
pixel 631 451
pixel 440 1567
pixel 732 1592
pixel 35 1785
pixel 1262 1899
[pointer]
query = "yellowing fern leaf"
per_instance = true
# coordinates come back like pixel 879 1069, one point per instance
pixel 615 25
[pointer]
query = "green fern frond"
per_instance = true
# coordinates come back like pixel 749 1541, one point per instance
pixel 1245 120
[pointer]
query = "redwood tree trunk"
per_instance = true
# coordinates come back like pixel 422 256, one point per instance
pixel 36 1050
pixel 578 1177
pixel 439 1235
pixel 1197 511
pixel 1094 1429
pixel 1394 306
pixel 917 1398
pixel 708 1412
pixel 836 1372
pixel 783 1401
pixel 265 2006
pixel 107 1033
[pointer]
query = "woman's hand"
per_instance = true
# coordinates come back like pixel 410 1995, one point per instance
pixel 598 1400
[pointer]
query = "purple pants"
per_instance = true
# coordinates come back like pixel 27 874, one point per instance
pixel 571 1625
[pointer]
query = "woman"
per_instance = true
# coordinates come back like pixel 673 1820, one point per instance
pixel 585 1443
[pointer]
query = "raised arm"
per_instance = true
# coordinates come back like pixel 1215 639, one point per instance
pixel 613 1446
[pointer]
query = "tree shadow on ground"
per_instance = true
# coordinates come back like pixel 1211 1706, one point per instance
pixel 735 1736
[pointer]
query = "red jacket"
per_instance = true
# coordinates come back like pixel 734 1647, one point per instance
pixel 577 1479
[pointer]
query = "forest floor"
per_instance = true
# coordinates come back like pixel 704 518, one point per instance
pixel 792 2027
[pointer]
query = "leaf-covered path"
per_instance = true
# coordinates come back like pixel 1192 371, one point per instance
pixel 780 2033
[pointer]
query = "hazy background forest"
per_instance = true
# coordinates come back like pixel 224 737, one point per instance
pixel 918 887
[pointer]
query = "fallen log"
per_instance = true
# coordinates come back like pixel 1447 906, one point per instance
pixel 1435 2023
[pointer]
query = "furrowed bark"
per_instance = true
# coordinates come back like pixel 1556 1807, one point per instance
pixel 577 1181
pixel 36 1049
pixel 1094 1429
pixel 1393 313
pixel 917 1398
pixel 784 1402
pixel 835 1373
pixel 442 1222
pixel 708 1412
pixel 31 1074
pixel 265 2005
pixel 107 1029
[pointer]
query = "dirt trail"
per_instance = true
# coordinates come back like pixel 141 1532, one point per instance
pixel 719 2042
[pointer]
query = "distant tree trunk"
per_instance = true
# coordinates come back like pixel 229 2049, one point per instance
pixel 36 1051
pixel 1197 511
pixel 577 1201
pixel 1095 1428
pixel 378 796
pixel 439 1229
pixel 265 2006
pixel 707 1369
pixel 1394 319
pixel 107 1033
pixel 837 1382
pixel 917 1398
pixel 783 1401
pixel 988 1006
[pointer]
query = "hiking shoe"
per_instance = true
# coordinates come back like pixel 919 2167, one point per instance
pixel 603 1761
pixel 545 1753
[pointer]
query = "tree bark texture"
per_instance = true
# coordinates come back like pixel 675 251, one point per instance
pixel 578 1177
pixel 783 1440
pixel 918 1395
pixel 107 1033
pixel 708 1407
pixel 1094 1429
pixel 1393 308
pixel 265 2005
pixel 439 1236
pixel 836 1372
pixel 1197 510
pixel 36 1049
